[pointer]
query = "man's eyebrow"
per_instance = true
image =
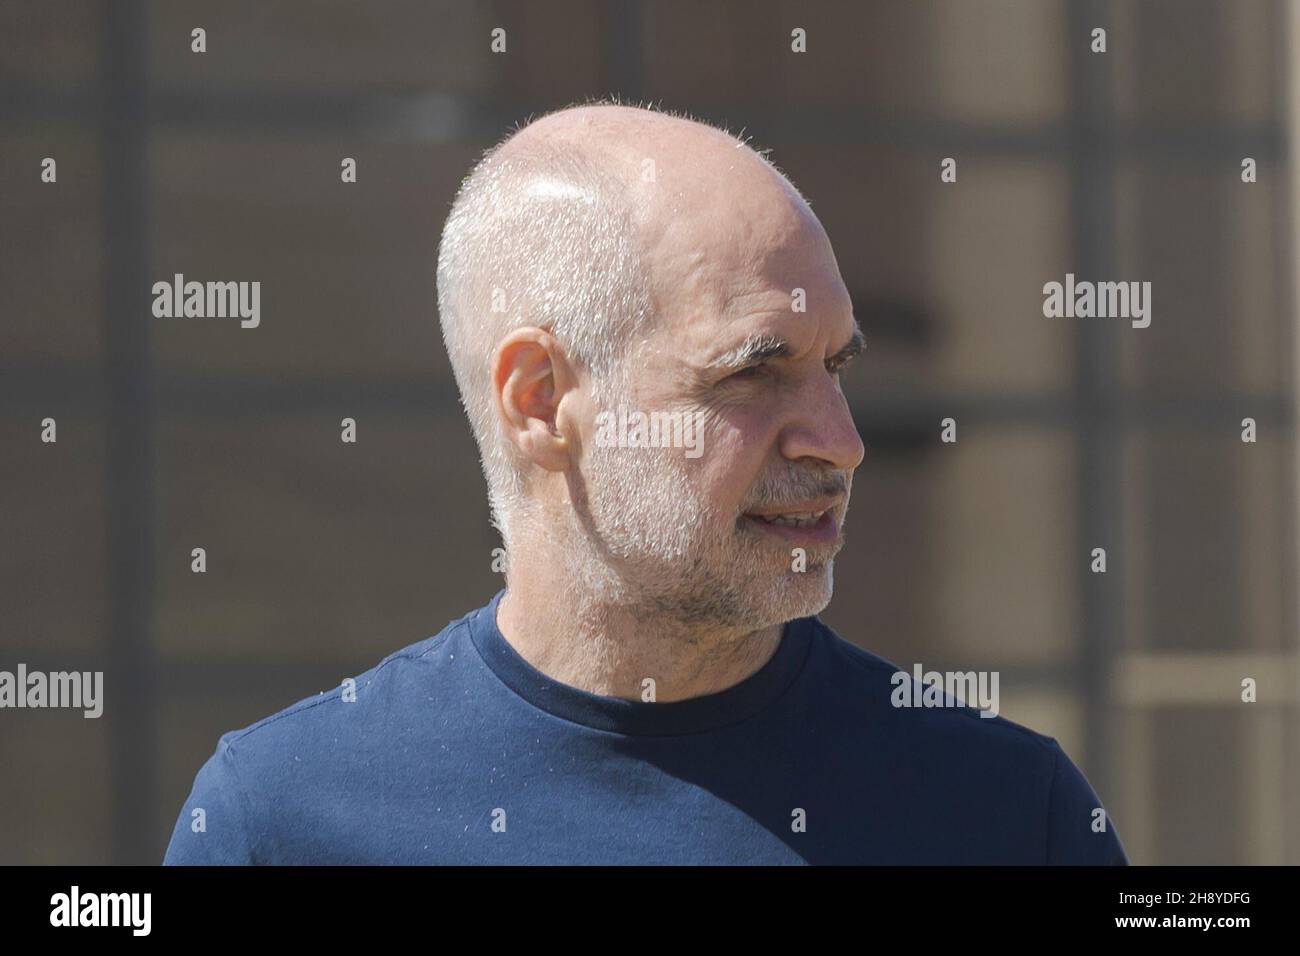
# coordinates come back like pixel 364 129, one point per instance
pixel 763 346
pixel 756 348
pixel 854 348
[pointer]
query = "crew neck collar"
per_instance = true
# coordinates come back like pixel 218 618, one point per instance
pixel 614 714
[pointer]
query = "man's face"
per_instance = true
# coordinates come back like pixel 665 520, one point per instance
pixel 685 527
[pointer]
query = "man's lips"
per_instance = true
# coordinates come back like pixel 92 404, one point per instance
pixel 815 520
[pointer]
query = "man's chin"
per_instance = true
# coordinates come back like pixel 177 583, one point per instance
pixel 791 594
pixel 752 601
pixel 810 591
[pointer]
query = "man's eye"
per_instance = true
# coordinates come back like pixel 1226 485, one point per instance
pixel 750 371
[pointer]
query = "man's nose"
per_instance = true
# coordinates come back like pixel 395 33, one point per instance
pixel 821 426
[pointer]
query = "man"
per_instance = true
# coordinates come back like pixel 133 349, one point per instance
pixel 647 326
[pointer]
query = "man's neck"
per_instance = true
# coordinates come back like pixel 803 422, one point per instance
pixel 611 650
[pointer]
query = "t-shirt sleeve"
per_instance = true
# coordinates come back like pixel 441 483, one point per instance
pixel 213 826
pixel 1079 831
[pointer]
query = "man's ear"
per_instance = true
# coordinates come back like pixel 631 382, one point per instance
pixel 530 374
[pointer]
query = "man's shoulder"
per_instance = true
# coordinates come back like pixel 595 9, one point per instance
pixel 862 679
pixel 1008 775
pixel 285 772
pixel 399 681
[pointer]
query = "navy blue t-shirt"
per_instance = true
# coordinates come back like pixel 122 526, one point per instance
pixel 456 750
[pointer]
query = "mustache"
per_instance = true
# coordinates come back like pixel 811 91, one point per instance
pixel 799 487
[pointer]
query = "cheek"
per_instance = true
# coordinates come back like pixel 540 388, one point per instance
pixel 744 435
pixel 734 453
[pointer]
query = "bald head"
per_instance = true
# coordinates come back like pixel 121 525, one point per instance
pixel 597 223
pixel 686 187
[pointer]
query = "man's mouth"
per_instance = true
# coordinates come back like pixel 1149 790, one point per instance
pixel 812 523
pixel 804 519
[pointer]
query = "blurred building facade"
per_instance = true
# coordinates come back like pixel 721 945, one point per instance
pixel 323 557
